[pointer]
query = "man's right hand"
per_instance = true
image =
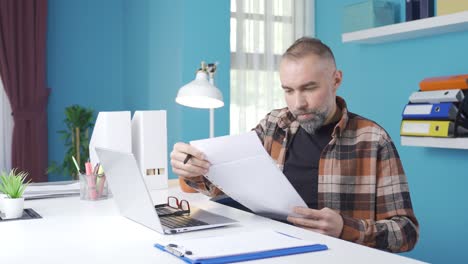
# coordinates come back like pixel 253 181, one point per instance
pixel 195 166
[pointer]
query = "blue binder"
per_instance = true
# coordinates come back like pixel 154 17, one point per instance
pixel 441 111
pixel 188 252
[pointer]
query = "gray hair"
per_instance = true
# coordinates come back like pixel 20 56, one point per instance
pixel 307 45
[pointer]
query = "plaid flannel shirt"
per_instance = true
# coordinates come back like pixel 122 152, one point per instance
pixel 360 176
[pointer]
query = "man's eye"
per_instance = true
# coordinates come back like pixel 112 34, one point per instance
pixel 288 91
pixel 310 88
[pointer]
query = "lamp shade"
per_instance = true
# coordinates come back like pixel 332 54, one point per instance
pixel 200 93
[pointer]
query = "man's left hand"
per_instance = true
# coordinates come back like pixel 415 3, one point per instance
pixel 324 221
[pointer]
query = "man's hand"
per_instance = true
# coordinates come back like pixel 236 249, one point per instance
pixel 195 166
pixel 324 221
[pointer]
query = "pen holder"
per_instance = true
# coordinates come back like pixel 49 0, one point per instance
pixel 93 187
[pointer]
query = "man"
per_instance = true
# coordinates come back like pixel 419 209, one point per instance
pixel 344 166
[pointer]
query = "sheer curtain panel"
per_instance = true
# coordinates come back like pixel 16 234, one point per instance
pixel 6 130
pixel 261 30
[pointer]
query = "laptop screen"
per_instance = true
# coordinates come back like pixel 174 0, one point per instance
pixel 128 188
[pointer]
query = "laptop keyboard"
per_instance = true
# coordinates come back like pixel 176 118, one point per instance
pixel 163 211
pixel 180 221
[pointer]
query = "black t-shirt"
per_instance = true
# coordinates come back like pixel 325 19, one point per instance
pixel 302 161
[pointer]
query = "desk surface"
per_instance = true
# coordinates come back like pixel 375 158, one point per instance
pixel 75 231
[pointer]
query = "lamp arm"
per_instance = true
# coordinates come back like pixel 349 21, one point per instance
pixel 211 79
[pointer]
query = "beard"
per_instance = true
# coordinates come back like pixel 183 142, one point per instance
pixel 310 125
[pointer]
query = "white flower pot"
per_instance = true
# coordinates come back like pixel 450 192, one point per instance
pixel 13 208
pixel 2 196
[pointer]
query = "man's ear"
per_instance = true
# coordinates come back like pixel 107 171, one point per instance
pixel 338 78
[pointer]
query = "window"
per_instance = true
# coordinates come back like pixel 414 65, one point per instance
pixel 6 130
pixel 261 30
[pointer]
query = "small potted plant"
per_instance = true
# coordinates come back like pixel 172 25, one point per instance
pixel 2 196
pixel 13 185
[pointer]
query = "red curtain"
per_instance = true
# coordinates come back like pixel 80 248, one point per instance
pixel 23 28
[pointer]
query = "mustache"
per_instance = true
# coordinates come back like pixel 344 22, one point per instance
pixel 301 112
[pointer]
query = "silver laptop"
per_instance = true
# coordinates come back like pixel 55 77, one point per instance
pixel 135 203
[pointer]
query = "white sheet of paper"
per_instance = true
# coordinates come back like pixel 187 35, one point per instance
pixel 242 169
pixel 53 188
pixel 240 243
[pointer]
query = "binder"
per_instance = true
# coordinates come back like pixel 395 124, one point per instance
pixel 426 8
pixel 412 10
pixel 112 130
pixel 430 128
pixel 442 111
pixel 149 145
pixel 445 7
pixel 444 83
pixel 238 247
pixel 441 96
pixel 462 117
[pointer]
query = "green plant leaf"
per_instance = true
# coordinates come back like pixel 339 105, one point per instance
pixel 75 117
pixel 12 184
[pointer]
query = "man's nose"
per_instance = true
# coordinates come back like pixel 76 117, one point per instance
pixel 301 103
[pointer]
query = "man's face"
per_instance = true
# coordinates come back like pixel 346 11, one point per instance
pixel 310 86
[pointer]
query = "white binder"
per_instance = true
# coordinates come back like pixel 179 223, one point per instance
pixel 149 145
pixel 112 130
pixel 442 96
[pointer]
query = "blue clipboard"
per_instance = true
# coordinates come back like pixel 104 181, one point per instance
pixel 249 256
pixel 190 257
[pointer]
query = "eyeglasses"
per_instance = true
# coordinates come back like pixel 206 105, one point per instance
pixel 173 207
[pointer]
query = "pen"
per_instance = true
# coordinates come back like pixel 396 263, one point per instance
pixel 76 165
pixel 189 156
pixel 102 179
pixel 96 168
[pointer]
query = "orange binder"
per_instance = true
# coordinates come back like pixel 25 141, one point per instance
pixel 445 82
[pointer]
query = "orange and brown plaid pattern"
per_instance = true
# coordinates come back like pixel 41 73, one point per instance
pixel 360 176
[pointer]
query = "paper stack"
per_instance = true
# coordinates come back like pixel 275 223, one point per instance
pixel 52 190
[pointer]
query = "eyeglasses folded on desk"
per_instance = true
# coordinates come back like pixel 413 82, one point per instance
pixel 173 207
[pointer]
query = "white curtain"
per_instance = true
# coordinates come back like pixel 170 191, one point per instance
pixel 261 30
pixel 6 130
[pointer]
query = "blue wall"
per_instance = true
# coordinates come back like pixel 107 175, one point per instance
pixel 206 37
pixel 84 62
pixel 378 80
pixel 134 55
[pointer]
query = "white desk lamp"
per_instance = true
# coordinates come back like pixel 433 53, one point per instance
pixel 202 93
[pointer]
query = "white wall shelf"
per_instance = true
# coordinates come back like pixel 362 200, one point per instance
pixel 412 29
pixel 434 142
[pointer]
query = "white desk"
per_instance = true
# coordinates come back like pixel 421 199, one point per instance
pixel 75 231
